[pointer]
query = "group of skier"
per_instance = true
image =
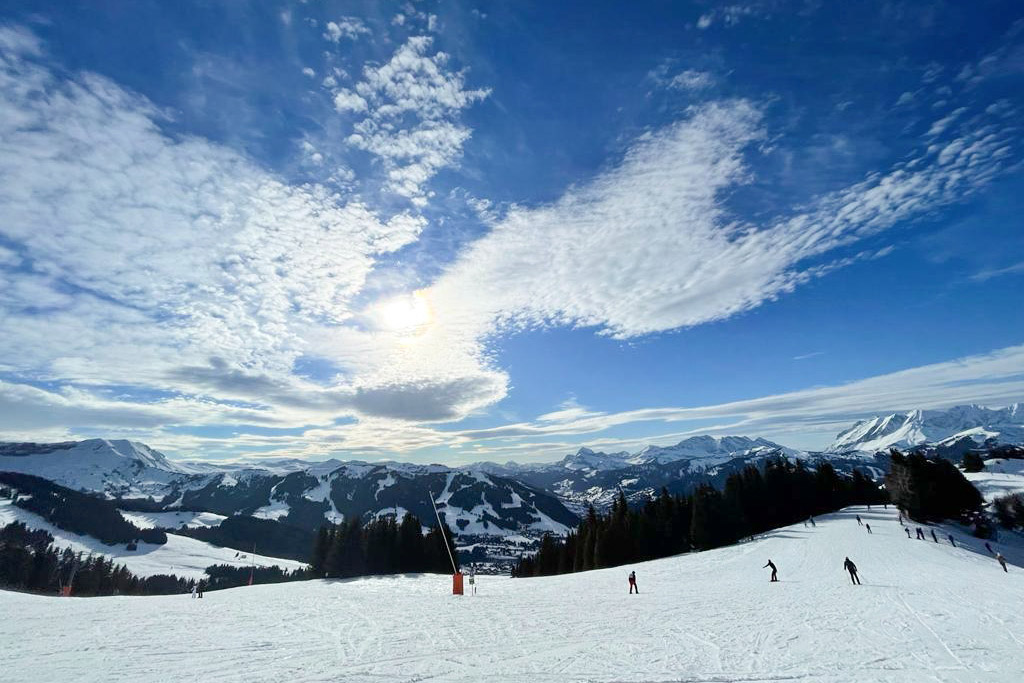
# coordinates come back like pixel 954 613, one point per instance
pixel 848 564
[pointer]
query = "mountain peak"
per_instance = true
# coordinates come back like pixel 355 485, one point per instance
pixel 916 427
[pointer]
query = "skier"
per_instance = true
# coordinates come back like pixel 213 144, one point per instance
pixel 472 580
pixel 812 522
pixel 1002 561
pixel 901 518
pixel 934 537
pixel 988 547
pixel 852 568
pixel 907 529
pixel 775 572
pixel 632 583
pixel 868 526
pixel 193 591
pixel 951 541
pixel 858 521
pixel 920 533
pixel 199 588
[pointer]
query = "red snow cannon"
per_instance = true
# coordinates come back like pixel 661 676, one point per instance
pixel 457 583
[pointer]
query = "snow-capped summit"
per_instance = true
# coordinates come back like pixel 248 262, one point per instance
pixel 715 448
pixel 978 424
pixel 587 459
pixel 119 467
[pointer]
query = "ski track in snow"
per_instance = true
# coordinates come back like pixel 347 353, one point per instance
pixel 925 612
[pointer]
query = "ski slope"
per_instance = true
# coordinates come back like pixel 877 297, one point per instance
pixel 186 557
pixel 926 612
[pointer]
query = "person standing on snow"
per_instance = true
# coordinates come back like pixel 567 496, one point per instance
pixel 934 537
pixel 901 518
pixel 858 521
pixel 852 568
pixel 1002 561
pixel 811 519
pixel 775 572
pixel 920 533
pixel 194 588
pixel 868 526
pixel 951 541
pixel 199 588
pixel 632 583
pixel 907 529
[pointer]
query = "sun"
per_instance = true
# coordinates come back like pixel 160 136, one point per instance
pixel 404 313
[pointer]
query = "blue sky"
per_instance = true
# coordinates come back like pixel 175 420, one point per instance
pixel 446 232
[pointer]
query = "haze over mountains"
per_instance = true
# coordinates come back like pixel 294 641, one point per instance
pixel 482 498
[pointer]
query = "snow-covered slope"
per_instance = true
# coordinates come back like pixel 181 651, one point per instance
pixel 925 612
pixel 118 468
pixel 999 478
pixel 181 555
pixel 972 424
pixel 711 450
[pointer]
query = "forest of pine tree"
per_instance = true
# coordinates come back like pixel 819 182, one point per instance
pixel 381 546
pixel 75 511
pixel 29 562
pixel 754 500
pixel 930 489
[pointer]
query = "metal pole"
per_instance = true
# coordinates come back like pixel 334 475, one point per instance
pixel 441 526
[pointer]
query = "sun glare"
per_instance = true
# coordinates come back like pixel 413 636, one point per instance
pixel 405 313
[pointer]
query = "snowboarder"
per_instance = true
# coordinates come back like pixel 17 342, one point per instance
pixel 868 526
pixel 858 521
pixel 907 529
pixel 951 541
pixel 920 533
pixel 852 568
pixel 775 572
pixel 632 583
pixel 1002 561
pixel 934 537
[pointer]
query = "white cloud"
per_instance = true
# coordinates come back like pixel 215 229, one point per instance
pixel 308 72
pixel 151 253
pixel 350 28
pixel 691 79
pixel 990 273
pixel 414 83
pixel 346 101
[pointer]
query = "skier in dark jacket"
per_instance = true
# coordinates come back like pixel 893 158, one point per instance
pixel 988 547
pixel 951 541
pixel 199 588
pixel 858 521
pixel 1002 562
pixel 920 533
pixel 934 537
pixel 852 568
pixel 907 529
pixel 775 572
pixel 632 584
pixel 868 527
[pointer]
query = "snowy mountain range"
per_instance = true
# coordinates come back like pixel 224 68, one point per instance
pixel 506 501
pixel 958 428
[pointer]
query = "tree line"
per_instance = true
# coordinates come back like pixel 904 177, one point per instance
pixel 381 546
pixel 931 489
pixel 30 562
pixel 74 511
pixel 753 500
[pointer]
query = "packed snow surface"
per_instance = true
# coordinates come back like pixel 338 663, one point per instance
pixel 925 612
